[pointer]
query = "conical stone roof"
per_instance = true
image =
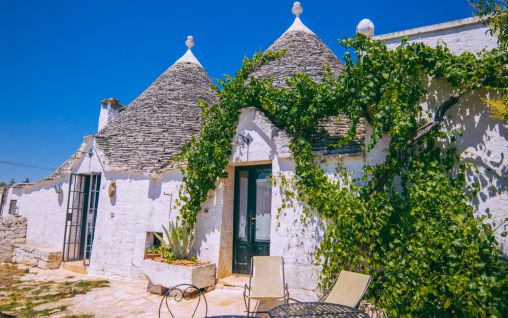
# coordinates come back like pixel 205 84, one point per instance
pixel 156 125
pixel 307 53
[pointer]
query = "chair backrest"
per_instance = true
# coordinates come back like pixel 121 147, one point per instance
pixel 348 289
pixel 267 277
pixel 184 292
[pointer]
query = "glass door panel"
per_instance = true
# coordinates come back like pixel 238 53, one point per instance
pixel 243 193
pixel 263 206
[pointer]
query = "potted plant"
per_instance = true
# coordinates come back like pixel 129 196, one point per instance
pixel 174 263
pixel 152 252
pixel 177 244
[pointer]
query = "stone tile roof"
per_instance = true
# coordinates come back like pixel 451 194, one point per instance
pixel 148 133
pixel 70 164
pixel 307 53
pixel 331 130
pixel 66 168
pixel 155 126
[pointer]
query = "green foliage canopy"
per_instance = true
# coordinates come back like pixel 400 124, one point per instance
pixel 495 15
pixel 411 216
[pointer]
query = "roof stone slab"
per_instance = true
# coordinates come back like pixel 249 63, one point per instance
pixel 156 125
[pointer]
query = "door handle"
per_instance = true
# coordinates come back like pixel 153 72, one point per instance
pixel 253 218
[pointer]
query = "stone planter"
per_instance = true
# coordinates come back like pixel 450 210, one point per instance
pixel 168 275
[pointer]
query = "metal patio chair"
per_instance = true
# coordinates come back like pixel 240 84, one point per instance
pixel 183 292
pixel 267 282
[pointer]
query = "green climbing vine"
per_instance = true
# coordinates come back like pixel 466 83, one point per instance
pixel 207 156
pixel 409 223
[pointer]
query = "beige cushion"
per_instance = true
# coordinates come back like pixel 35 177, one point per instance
pixel 267 281
pixel 348 289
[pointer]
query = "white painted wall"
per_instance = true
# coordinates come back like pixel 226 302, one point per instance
pixel 293 239
pixel 485 140
pixel 460 37
pixel 106 115
pixel 140 205
pixel 45 211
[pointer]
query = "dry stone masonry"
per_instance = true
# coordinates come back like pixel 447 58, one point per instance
pixel 37 256
pixel 12 231
pixel 156 125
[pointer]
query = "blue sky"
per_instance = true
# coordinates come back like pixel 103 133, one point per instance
pixel 59 59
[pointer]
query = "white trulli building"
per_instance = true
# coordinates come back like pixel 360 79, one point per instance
pixel 103 204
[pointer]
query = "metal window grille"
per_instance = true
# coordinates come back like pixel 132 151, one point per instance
pixel 93 200
pixel 80 218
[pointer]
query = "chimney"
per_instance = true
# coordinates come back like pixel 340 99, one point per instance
pixel 110 108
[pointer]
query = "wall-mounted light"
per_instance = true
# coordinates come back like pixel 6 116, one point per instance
pixel 242 139
pixel 112 188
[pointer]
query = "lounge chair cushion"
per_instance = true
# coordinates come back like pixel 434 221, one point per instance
pixel 267 281
pixel 348 289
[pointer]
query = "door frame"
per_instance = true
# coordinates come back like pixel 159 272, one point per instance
pixel 251 213
pixel 86 192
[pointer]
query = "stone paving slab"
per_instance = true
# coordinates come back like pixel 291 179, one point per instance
pixel 129 298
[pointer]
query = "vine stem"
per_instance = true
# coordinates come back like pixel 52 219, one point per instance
pixel 421 132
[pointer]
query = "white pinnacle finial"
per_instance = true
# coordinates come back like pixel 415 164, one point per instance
pixel 188 57
pixel 298 24
pixel 297 9
pixel 189 42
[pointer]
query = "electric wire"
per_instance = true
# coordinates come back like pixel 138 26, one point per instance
pixel 26 165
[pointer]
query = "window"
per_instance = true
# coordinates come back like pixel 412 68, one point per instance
pixel 152 243
pixel 13 209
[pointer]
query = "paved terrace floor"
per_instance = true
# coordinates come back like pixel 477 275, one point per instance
pixel 129 298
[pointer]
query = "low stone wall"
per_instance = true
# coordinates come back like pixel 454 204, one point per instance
pixel 37 256
pixel 12 231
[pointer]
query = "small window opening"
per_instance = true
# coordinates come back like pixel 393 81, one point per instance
pixel 13 207
pixel 152 245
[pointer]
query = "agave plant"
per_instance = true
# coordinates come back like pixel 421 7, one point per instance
pixel 178 241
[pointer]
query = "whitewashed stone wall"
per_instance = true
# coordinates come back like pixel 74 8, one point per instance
pixel 466 35
pixel 45 211
pixel 12 232
pixel 291 238
pixel 106 114
pixel 45 208
pixel 140 205
pixel 143 204
pixel 484 140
